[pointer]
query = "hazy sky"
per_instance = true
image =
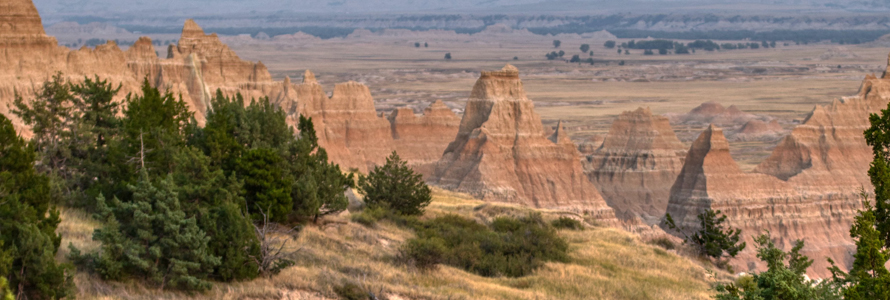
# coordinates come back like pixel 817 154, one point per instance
pixel 147 8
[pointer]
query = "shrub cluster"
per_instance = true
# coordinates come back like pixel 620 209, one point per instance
pixel 506 247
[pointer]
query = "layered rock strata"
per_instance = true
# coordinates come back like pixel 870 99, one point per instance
pixel 637 164
pixel 755 202
pixel 500 153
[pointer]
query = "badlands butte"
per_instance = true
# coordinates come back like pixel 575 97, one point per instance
pixel 497 148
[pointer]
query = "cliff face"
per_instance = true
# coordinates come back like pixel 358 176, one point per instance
pixel 637 164
pixel 500 153
pixel 755 202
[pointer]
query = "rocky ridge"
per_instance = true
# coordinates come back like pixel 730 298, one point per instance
pixel 501 154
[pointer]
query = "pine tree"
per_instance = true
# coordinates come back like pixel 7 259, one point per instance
pixel 868 279
pixel 395 186
pixel 266 184
pixel 28 223
pixel 319 189
pixel 216 202
pixel 49 116
pixel 878 136
pixel 150 237
pixel 714 238
pixel 153 129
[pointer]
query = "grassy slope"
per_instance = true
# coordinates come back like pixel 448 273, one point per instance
pixel 607 263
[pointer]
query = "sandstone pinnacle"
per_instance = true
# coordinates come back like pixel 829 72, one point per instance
pixel 500 153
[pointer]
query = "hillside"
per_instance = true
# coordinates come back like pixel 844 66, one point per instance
pixel 606 263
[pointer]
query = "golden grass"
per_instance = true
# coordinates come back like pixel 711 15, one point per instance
pixel 606 263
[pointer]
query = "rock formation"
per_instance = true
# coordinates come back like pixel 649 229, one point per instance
pixel 355 137
pixel 196 66
pixel 500 153
pixel 421 140
pixel 637 164
pixel 755 202
pixel 347 123
pixel 826 155
pixel 758 130
pixel 713 113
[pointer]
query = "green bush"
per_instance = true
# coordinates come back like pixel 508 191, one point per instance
pixel 507 247
pixel 395 186
pixel 567 223
pixel 424 254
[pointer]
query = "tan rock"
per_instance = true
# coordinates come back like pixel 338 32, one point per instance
pixel 637 164
pixel 500 153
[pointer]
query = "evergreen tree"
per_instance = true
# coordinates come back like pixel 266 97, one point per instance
pixel 28 223
pixel 72 123
pixel 585 48
pixel 216 202
pixel 321 185
pixel 150 237
pixel 233 240
pixel 223 137
pixel 878 136
pixel 779 281
pixel 714 238
pixel 153 130
pixel 868 279
pixel 267 185
pixel 49 116
pixel 395 186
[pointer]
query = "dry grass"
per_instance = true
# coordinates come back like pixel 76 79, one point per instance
pixel 606 263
